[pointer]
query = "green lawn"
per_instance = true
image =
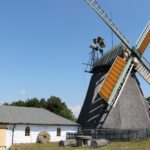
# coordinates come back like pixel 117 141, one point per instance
pixel 138 145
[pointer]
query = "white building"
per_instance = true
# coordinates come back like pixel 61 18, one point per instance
pixel 23 124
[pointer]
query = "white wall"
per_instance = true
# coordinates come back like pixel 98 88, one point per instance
pixel 19 133
pixel 9 136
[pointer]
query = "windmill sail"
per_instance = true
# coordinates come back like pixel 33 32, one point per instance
pixel 115 80
pixel 144 39
pixel 143 72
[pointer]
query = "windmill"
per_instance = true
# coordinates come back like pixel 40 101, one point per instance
pixel 114 96
pixel 120 70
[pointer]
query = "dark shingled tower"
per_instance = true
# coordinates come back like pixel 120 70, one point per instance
pixel 131 110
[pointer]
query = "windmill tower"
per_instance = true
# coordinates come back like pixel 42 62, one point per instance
pixel 114 99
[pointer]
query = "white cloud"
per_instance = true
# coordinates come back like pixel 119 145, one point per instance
pixel 76 110
pixel 23 92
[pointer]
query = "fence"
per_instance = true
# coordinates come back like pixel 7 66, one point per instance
pixel 114 135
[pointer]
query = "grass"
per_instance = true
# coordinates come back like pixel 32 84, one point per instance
pixel 137 145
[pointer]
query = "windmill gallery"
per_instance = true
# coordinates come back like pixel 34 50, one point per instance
pixel 114 107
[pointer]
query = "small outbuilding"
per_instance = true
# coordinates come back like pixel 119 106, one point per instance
pixel 23 125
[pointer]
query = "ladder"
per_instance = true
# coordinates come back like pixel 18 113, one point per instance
pixel 108 21
pixel 143 72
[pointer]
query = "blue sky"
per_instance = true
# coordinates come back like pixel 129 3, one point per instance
pixel 43 44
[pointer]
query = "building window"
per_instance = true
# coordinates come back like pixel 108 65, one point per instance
pixel 27 131
pixel 58 131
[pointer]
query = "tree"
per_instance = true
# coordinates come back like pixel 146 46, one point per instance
pixel 34 102
pixel 43 103
pixel 148 99
pixel 19 103
pixel 55 105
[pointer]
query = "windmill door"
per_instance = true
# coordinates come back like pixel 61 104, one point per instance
pixel 3 132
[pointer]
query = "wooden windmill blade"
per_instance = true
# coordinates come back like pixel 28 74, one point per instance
pixel 115 80
pixel 143 70
pixel 144 40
